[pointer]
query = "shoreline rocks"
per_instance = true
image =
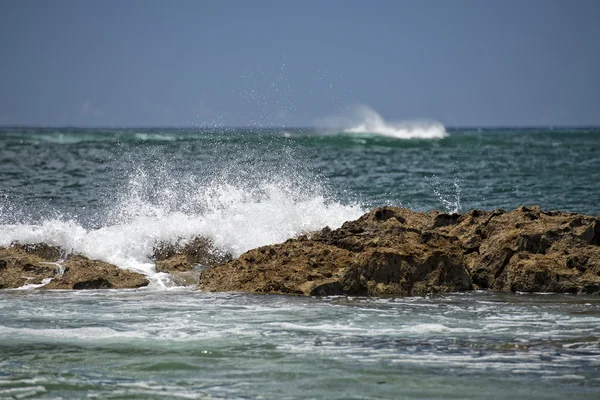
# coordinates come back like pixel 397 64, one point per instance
pixel 389 251
pixel 41 264
pixel 392 251
pixel 183 257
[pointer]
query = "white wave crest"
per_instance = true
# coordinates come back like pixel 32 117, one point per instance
pixel 235 218
pixel 368 121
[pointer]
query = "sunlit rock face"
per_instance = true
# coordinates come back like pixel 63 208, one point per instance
pixel 396 251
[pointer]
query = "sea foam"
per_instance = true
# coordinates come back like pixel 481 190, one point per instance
pixel 368 121
pixel 235 217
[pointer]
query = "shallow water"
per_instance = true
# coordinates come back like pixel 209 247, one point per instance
pixel 188 344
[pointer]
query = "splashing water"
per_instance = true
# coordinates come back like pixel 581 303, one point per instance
pixel 370 122
pixel 450 201
pixel 236 217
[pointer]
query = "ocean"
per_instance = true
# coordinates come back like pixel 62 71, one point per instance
pixel 111 194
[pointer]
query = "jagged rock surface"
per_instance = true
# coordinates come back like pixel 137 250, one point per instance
pixel 82 273
pixel 396 251
pixel 33 263
pixel 179 258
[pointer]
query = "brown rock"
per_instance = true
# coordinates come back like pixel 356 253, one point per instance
pixel 42 250
pixel 501 246
pixel 385 252
pixel 18 268
pixel 82 273
pixel 396 251
pixel 528 272
pixel 297 266
pixel 27 264
pixel 180 258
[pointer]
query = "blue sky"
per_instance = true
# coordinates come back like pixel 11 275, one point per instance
pixel 272 63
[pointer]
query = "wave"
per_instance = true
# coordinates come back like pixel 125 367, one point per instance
pixel 364 124
pixel 368 121
pixel 70 136
pixel 235 217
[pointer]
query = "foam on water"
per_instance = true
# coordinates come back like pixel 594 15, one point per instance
pixel 368 121
pixel 80 334
pixel 235 217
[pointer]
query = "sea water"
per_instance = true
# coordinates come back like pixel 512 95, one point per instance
pixel 187 344
pixel 111 194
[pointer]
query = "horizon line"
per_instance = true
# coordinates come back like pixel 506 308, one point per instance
pixel 247 127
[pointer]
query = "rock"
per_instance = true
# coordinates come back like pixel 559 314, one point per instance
pixel 297 266
pixel 528 272
pixel 82 273
pixel 176 263
pixel 18 268
pixel 385 252
pixel 503 249
pixel 178 257
pixel 396 251
pixel 42 250
pixel 28 264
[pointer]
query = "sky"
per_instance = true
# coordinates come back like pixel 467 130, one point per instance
pixel 298 63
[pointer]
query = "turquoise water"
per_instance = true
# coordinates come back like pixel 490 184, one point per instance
pixel 492 168
pixel 112 193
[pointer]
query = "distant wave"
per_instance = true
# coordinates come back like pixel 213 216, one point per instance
pixel 368 121
pixel 74 136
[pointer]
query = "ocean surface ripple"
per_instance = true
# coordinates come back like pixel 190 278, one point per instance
pixel 157 344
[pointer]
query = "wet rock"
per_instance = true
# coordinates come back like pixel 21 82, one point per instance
pixel 180 257
pixel 510 250
pixel 332 288
pixel 80 272
pixel 42 250
pixel 385 252
pixel 18 268
pixel 294 267
pixel 527 272
pixel 28 264
pixel 396 251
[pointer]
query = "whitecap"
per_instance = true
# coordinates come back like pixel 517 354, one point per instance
pixel 368 121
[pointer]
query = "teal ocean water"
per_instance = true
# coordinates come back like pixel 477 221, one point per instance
pixel 111 194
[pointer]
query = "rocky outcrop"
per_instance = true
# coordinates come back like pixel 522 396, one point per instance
pixel 41 263
pixel 396 251
pixel 78 272
pixel 530 250
pixel 184 257
pixel 18 267
pixel 388 251
pixel 42 250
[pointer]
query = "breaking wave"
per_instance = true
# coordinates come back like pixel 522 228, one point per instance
pixel 368 121
pixel 236 217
